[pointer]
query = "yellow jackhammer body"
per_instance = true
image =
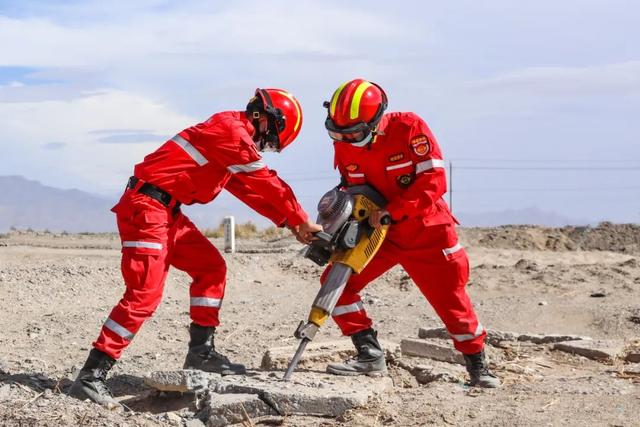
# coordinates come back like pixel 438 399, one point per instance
pixel 348 242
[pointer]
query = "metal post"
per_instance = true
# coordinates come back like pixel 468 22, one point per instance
pixel 451 186
pixel 229 234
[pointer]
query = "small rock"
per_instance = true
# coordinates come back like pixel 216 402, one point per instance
pixel 602 350
pixel 542 303
pixel 527 265
pixel 632 263
pixel 5 391
pixel 173 418
pixel 194 423
pixel 426 376
pixel 598 294
pixel 634 319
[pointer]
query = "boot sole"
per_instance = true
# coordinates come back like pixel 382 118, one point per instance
pixel 77 392
pixel 374 374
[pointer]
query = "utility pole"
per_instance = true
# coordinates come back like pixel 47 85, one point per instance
pixel 451 186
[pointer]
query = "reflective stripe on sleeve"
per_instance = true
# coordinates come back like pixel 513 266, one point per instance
pixel 344 309
pixel 249 167
pixel 356 175
pixel 452 250
pixel 190 149
pixel 468 337
pixel 401 165
pixel 205 302
pixel 119 329
pixel 429 164
pixel 148 245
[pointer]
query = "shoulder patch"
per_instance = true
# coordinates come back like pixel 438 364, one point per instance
pixel 420 145
pixel 396 157
pixel 352 167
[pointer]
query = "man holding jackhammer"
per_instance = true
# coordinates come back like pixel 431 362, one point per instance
pixel 397 154
pixel 194 167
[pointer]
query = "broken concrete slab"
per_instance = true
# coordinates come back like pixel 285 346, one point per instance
pixel 433 349
pixel 495 337
pixel 225 409
pixel 602 350
pixel 186 381
pixel 318 354
pixel 310 393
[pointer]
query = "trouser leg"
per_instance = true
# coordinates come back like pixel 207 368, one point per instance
pixel 349 313
pixel 442 282
pixel 194 254
pixel 144 277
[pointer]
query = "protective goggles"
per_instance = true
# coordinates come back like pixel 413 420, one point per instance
pixel 352 134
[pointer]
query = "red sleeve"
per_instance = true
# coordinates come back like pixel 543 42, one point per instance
pixel 255 184
pixel 430 182
pixel 264 187
pixel 256 202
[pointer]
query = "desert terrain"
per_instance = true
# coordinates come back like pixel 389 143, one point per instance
pixel 57 289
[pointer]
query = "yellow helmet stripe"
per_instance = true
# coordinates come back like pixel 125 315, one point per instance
pixel 295 103
pixel 357 97
pixel 334 98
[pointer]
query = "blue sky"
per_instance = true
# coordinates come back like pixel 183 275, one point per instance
pixel 535 103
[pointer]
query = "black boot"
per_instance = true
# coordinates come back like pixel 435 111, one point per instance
pixel 479 371
pixel 90 383
pixel 368 361
pixel 202 354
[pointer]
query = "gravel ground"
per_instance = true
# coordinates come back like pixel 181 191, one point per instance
pixel 56 290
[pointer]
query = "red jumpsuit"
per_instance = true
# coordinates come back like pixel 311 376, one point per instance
pixel 405 164
pixel 193 167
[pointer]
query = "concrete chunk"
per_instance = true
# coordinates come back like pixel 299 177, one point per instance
pixel 310 393
pixel 318 354
pixel 592 349
pixel 225 409
pixel 495 337
pixel 181 381
pixel 442 350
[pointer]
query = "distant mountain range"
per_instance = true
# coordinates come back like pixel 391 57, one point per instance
pixel 29 204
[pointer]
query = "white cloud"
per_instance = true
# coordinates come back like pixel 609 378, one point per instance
pixel 242 28
pixel 610 79
pixel 101 167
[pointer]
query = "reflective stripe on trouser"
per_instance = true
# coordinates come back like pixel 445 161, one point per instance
pixel 144 269
pixel 441 279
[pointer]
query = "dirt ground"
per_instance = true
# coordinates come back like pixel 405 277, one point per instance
pixel 56 290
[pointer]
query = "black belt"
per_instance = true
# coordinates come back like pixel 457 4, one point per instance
pixel 155 193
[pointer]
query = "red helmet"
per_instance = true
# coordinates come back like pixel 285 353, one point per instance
pixel 284 115
pixel 355 109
